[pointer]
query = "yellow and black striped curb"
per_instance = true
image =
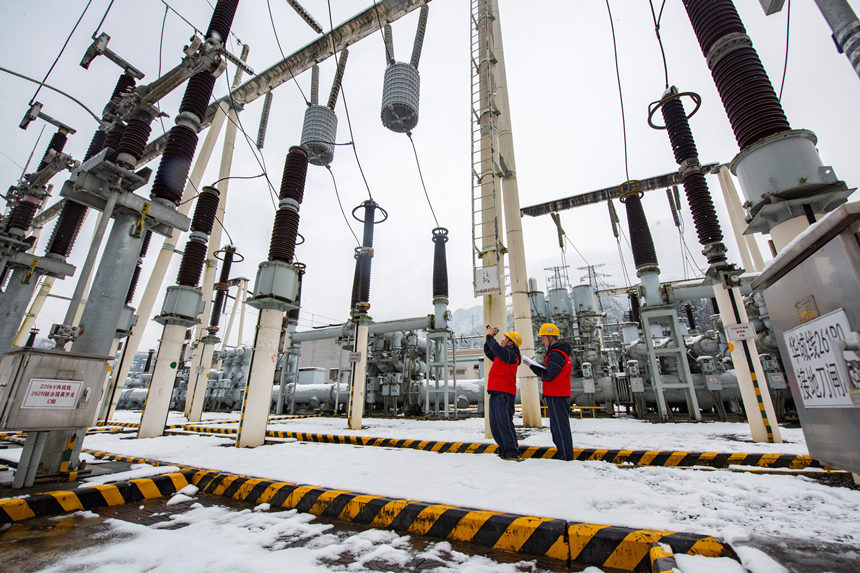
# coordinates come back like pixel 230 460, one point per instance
pixel 635 457
pixel 662 559
pixel 91 497
pixel 584 543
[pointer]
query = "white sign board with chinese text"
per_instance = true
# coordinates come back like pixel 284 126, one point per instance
pixel 46 393
pixel 355 356
pixel 743 331
pixel 487 281
pixel 812 350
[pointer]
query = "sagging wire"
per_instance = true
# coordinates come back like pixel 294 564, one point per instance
pixel 620 95
pixel 160 49
pixel 787 36
pixel 656 19
pixel 57 59
pixel 183 18
pixel 346 108
pixel 339 204
pixel 421 176
pixel 283 56
pixel 50 87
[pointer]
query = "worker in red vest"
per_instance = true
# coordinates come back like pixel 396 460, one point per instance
pixel 502 387
pixel 556 388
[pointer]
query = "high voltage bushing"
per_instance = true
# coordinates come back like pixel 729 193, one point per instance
pixel 355 278
pixel 182 140
pixel 401 86
pixel 644 255
pixel 319 128
pixel 134 139
pixel 366 252
pixel 285 230
pixel 695 185
pixel 221 286
pixel 113 139
pixel 746 92
pixel 21 216
pixel 440 263
pixel 194 255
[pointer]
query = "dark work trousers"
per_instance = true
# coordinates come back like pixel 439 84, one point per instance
pixel 502 423
pixel 559 425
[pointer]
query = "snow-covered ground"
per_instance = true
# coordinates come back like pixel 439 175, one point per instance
pixel 747 510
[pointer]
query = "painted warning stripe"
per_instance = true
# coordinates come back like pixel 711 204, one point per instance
pixel 502 531
pixel 91 497
pixel 662 558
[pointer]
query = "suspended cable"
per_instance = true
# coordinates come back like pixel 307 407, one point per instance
pixel 102 21
pixel 160 48
pixel 283 56
pixel 238 177
pixel 656 19
pixel 620 96
pixel 787 36
pixel 32 152
pixel 339 204
pixel 59 91
pixel 57 59
pixel 184 19
pixel 421 176
pixel 346 108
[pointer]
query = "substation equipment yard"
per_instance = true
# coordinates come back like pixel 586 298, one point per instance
pixel 716 419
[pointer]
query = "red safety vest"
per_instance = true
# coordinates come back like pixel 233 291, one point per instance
pixel 503 376
pixel 560 385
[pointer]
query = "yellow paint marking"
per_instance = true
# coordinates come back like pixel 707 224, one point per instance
pixel 579 536
pixel 354 506
pixel 633 548
pixel 598 455
pixel 559 550
pixel 68 500
pixel 225 483
pixel 147 487
pixel 17 509
pixel 296 496
pixel 179 480
pixel 270 492
pixel 469 525
pixel 324 500
pixel 436 447
pixel 427 518
pixel 472 448
pixel 708 546
pixel 767 460
pixel 736 459
pixel 388 512
pixel 518 533
pixel 245 489
pixel 675 458
pixel 647 458
pixel 111 494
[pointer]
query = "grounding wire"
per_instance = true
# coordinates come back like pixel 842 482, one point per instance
pixel 787 36
pixel 283 56
pixel 656 19
pixel 102 21
pixel 346 108
pixel 59 91
pixel 339 204
pixel 421 176
pixel 57 59
pixel 12 160
pixel 32 152
pixel 620 95
pixel 184 19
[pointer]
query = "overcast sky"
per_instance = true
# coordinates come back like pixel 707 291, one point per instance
pixel 564 109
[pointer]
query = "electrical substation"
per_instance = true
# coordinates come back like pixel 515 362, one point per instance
pixel 767 343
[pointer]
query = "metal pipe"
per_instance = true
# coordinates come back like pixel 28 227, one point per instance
pixel 846 28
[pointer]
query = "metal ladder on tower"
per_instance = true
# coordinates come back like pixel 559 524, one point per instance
pixel 487 246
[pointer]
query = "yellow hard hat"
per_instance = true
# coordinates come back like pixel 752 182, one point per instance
pixel 515 337
pixel 548 329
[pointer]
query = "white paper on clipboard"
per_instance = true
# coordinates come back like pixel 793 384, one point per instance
pixel 528 360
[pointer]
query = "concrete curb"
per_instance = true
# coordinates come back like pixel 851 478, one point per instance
pixel 91 497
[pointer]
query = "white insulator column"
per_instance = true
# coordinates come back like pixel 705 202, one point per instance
pixel 751 381
pixel 106 383
pixel 258 390
pixel 161 387
pixel 197 382
pixel 359 375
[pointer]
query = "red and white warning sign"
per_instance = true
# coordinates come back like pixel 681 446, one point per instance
pixel 743 331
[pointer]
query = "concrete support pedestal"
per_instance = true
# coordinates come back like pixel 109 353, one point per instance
pixel 359 375
pixel 258 390
pixel 157 404
pixel 197 381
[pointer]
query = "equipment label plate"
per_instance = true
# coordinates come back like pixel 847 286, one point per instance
pixel 821 375
pixel 355 356
pixel 47 393
pixel 487 281
pixel 636 384
pixel 743 331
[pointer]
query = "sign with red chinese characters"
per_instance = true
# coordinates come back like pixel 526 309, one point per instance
pixel 47 393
